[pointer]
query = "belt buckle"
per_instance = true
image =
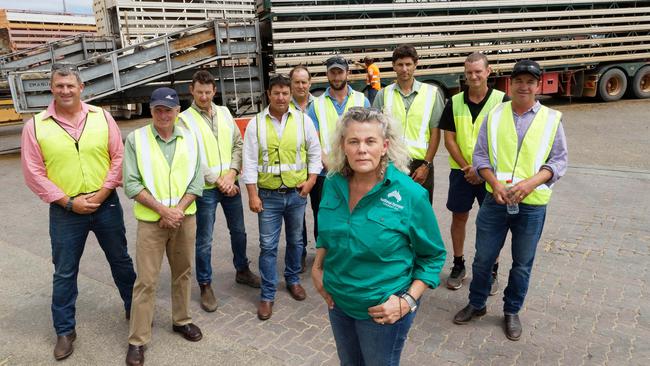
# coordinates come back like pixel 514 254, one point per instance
pixel 283 190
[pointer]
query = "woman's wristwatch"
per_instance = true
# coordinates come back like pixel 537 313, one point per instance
pixel 410 300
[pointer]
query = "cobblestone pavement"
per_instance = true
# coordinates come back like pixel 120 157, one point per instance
pixel 588 302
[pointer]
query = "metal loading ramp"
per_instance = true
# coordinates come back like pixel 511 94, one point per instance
pixel 556 33
pixel 229 49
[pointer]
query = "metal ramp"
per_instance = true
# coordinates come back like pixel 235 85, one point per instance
pixel 229 49
pixel 71 50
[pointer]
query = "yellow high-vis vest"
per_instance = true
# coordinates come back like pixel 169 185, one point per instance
pixel 535 148
pixel 466 131
pixel 328 118
pixel 215 151
pixel 281 160
pixel 76 167
pixel 167 184
pixel 415 122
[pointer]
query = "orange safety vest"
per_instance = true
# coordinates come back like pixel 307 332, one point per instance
pixel 372 78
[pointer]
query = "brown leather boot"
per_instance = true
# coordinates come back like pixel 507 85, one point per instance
pixel 265 310
pixel 247 277
pixel 135 355
pixel 63 346
pixel 208 301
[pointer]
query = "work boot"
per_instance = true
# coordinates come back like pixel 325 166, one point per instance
pixel 457 275
pixel 135 355
pixel 247 277
pixel 512 327
pixel 208 301
pixel 467 313
pixel 63 346
pixel 494 289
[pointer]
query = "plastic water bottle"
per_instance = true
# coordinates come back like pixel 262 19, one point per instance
pixel 512 209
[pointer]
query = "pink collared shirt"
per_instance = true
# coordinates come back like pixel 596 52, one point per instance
pixel 32 158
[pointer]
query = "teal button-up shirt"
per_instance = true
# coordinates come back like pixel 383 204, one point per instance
pixel 390 239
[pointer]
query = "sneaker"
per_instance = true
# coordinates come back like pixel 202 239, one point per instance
pixel 455 279
pixel 495 284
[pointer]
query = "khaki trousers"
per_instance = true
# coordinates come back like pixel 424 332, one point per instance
pixel 152 243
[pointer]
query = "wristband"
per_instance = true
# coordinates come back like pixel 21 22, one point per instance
pixel 68 205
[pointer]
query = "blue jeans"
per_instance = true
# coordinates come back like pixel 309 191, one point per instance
pixel 291 207
pixel 364 342
pixel 68 233
pixel 492 225
pixel 206 209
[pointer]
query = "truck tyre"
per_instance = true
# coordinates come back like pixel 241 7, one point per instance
pixel 641 83
pixel 612 85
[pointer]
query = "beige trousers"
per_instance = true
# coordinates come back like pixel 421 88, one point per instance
pixel 152 243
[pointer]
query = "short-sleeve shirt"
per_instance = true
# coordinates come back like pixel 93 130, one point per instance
pixel 447 122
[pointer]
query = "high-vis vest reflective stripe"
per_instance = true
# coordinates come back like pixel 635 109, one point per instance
pixel 374 80
pixel 75 167
pixel 281 160
pixel 215 151
pixel 466 131
pixel 166 184
pixel 533 153
pixel 415 122
pixel 327 116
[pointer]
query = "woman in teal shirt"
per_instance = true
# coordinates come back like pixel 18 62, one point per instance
pixel 379 246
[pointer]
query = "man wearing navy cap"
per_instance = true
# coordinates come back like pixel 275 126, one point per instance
pixel 520 152
pixel 162 173
pixel 325 111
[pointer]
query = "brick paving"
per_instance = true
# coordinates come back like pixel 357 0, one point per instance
pixel 588 302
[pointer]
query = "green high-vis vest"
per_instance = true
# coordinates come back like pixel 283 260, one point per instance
pixel 466 131
pixel 215 151
pixel 328 118
pixel 415 122
pixel 535 148
pixel 167 184
pixel 281 161
pixel 76 167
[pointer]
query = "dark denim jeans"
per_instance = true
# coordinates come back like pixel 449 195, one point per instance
pixel 492 225
pixel 364 342
pixel 291 207
pixel 206 209
pixel 68 233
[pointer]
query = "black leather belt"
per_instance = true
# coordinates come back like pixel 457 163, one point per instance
pixel 281 190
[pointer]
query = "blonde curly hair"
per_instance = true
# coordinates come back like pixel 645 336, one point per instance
pixel 397 153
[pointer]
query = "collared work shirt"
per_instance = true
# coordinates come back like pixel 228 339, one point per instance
pixel 133 181
pixel 310 101
pixel 33 164
pixel 251 145
pixel 390 238
pixel 408 99
pixel 558 158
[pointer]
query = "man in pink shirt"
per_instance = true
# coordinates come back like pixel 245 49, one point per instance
pixel 72 159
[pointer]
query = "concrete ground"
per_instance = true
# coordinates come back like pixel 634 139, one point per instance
pixel 588 302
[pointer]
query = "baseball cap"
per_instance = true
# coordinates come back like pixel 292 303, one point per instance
pixel 527 67
pixel 164 96
pixel 336 61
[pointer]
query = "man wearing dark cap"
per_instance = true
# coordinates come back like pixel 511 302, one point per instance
pixel 325 111
pixel 520 152
pixel 162 173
